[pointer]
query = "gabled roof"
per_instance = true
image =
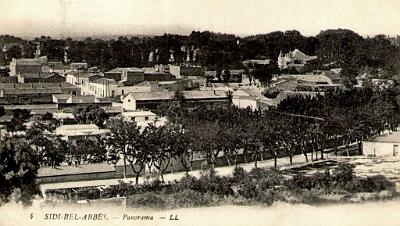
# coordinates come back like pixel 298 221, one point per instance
pixel 19 86
pixel 81 99
pixel 153 96
pixel 35 75
pixel 31 91
pixel 393 137
pixel 300 55
pixel 61 96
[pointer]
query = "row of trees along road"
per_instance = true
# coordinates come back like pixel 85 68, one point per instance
pixel 299 125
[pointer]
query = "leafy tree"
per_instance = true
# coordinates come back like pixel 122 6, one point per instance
pixel 124 139
pixel 18 170
pixel 91 114
pixel 20 117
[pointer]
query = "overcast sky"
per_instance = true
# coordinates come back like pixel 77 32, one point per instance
pixel 63 18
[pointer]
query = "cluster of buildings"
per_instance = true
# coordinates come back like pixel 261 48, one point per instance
pixel 135 94
pixel 59 87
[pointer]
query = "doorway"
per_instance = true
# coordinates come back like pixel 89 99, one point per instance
pixel 395 150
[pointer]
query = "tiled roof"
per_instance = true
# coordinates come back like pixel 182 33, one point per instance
pixel 122 69
pixel 19 86
pixel 200 94
pixel 393 137
pixel 81 99
pixel 31 106
pixel 153 96
pixel 61 96
pixel 196 94
pixel 31 91
pixel 36 75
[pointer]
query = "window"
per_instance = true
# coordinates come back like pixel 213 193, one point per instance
pixel 146 118
pixel 122 92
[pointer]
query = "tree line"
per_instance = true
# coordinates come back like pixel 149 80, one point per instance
pixel 334 48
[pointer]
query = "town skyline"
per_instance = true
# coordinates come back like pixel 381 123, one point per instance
pixel 69 18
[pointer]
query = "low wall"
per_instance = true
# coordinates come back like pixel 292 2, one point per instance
pixel 76 177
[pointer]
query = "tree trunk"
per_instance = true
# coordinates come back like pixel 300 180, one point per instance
pixel 312 153
pixel 137 178
pixel 305 154
pixel 275 162
pixel 291 159
pixel 244 155
pixel 124 166
pixel 137 172
pixel 162 177
pixel 187 167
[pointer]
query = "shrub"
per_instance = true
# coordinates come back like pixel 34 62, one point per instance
pixel 258 173
pixel 239 174
pixel 307 196
pixel 249 189
pixel 372 184
pixel 343 173
pixel 265 197
pixel 186 182
pixel 271 178
pixel 215 184
pixel 147 199
pixel 190 198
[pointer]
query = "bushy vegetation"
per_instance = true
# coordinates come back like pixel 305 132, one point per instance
pixel 259 186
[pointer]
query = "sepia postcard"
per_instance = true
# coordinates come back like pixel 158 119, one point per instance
pixel 202 112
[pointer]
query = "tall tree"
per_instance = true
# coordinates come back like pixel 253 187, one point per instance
pixel 18 170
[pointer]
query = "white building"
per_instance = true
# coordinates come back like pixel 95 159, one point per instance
pixel 141 118
pixel 295 58
pixel 383 146
pixel 68 132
